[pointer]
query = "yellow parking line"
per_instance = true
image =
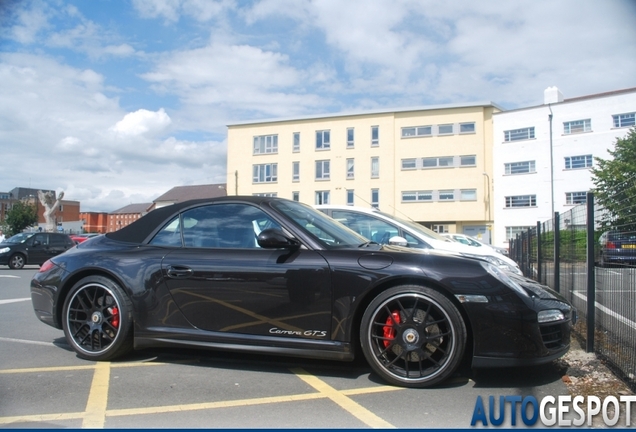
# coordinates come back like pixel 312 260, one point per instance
pixel 98 397
pixel 212 405
pixel 354 408
pixel 96 407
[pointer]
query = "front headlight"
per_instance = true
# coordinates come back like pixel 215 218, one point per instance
pixel 550 315
pixel 4 250
pixel 501 275
pixel 501 263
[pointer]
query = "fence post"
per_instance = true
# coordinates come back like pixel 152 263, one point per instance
pixel 539 253
pixel 557 253
pixel 591 280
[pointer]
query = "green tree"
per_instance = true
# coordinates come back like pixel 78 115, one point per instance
pixel 21 216
pixel 615 181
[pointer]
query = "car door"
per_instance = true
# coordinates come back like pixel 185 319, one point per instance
pixel 57 244
pixel 223 281
pixel 38 247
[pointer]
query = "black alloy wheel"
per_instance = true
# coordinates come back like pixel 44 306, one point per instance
pixel 413 336
pixel 17 261
pixel 97 319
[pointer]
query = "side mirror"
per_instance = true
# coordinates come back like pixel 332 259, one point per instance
pixel 274 238
pixel 398 241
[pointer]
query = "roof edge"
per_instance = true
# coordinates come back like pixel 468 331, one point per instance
pixel 370 112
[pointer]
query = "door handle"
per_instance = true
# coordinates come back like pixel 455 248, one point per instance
pixel 179 272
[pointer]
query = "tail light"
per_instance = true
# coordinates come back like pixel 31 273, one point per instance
pixel 610 245
pixel 48 265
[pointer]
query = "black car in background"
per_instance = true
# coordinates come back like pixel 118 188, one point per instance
pixel 33 248
pixel 271 276
pixel 617 247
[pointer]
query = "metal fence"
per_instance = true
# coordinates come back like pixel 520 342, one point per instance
pixel 565 254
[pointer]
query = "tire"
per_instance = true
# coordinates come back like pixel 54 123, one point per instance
pixel 97 319
pixel 413 336
pixel 17 261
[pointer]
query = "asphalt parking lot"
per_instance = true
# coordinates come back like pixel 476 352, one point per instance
pixel 44 385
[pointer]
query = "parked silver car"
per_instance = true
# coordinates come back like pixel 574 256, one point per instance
pixel 387 229
pixel 472 241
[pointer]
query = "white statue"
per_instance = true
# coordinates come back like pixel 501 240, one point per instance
pixel 49 208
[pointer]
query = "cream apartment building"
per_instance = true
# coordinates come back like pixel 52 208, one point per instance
pixel 430 164
pixel 543 155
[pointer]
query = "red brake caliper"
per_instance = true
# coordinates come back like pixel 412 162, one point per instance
pixel 389 331
pixel 115 313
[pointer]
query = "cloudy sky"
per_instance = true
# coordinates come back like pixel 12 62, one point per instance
pixel 117 101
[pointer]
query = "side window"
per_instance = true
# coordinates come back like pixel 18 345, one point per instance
pixel 232 226
pixel 170 235
pixel 57 241
pixel 43 239
pixel 367 226
pixel 414 242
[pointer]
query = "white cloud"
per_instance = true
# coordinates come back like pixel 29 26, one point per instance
pixel 143 122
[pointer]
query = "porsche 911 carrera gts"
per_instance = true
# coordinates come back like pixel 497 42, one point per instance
pixel 273 276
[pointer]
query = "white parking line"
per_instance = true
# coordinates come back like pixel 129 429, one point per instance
pixel 14 300
pixel 10 276
pixel 610 312
pixel 24 341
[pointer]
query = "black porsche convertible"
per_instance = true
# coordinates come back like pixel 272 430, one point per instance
pixel 273 276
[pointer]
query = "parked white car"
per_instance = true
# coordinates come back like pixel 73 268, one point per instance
pixel 386 229
pixel 472 241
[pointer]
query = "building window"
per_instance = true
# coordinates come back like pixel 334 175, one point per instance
pixel 437 162
pixel 350 196
pixel 265 173
pixel 624 120
pixel 322 197
pixel 413 131
pixel 375 198
pixel 322 170
pixel 470 160
pixel 350 168
pixel 296 147
pixel 521 201
pixel 414 196
pixel 465 128
pixel 576 162
pixel 350 138
pixel 577 126
pixel 447 195
pixel 445 129
pixel 519 134
pixel 265 144
pixel 409 164
pixel 295 171
pixel 375 167
pixel 375 136
pixel 573 198
pixel 513 231
pixel 440 229
pixel 525 167
pixel 468 195
pixel 323 140
pixel 296 196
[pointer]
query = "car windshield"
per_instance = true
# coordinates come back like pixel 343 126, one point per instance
pixel 417 227
pixel 19 238
pixel 328 231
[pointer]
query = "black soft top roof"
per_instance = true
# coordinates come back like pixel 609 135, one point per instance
pixel 142 228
